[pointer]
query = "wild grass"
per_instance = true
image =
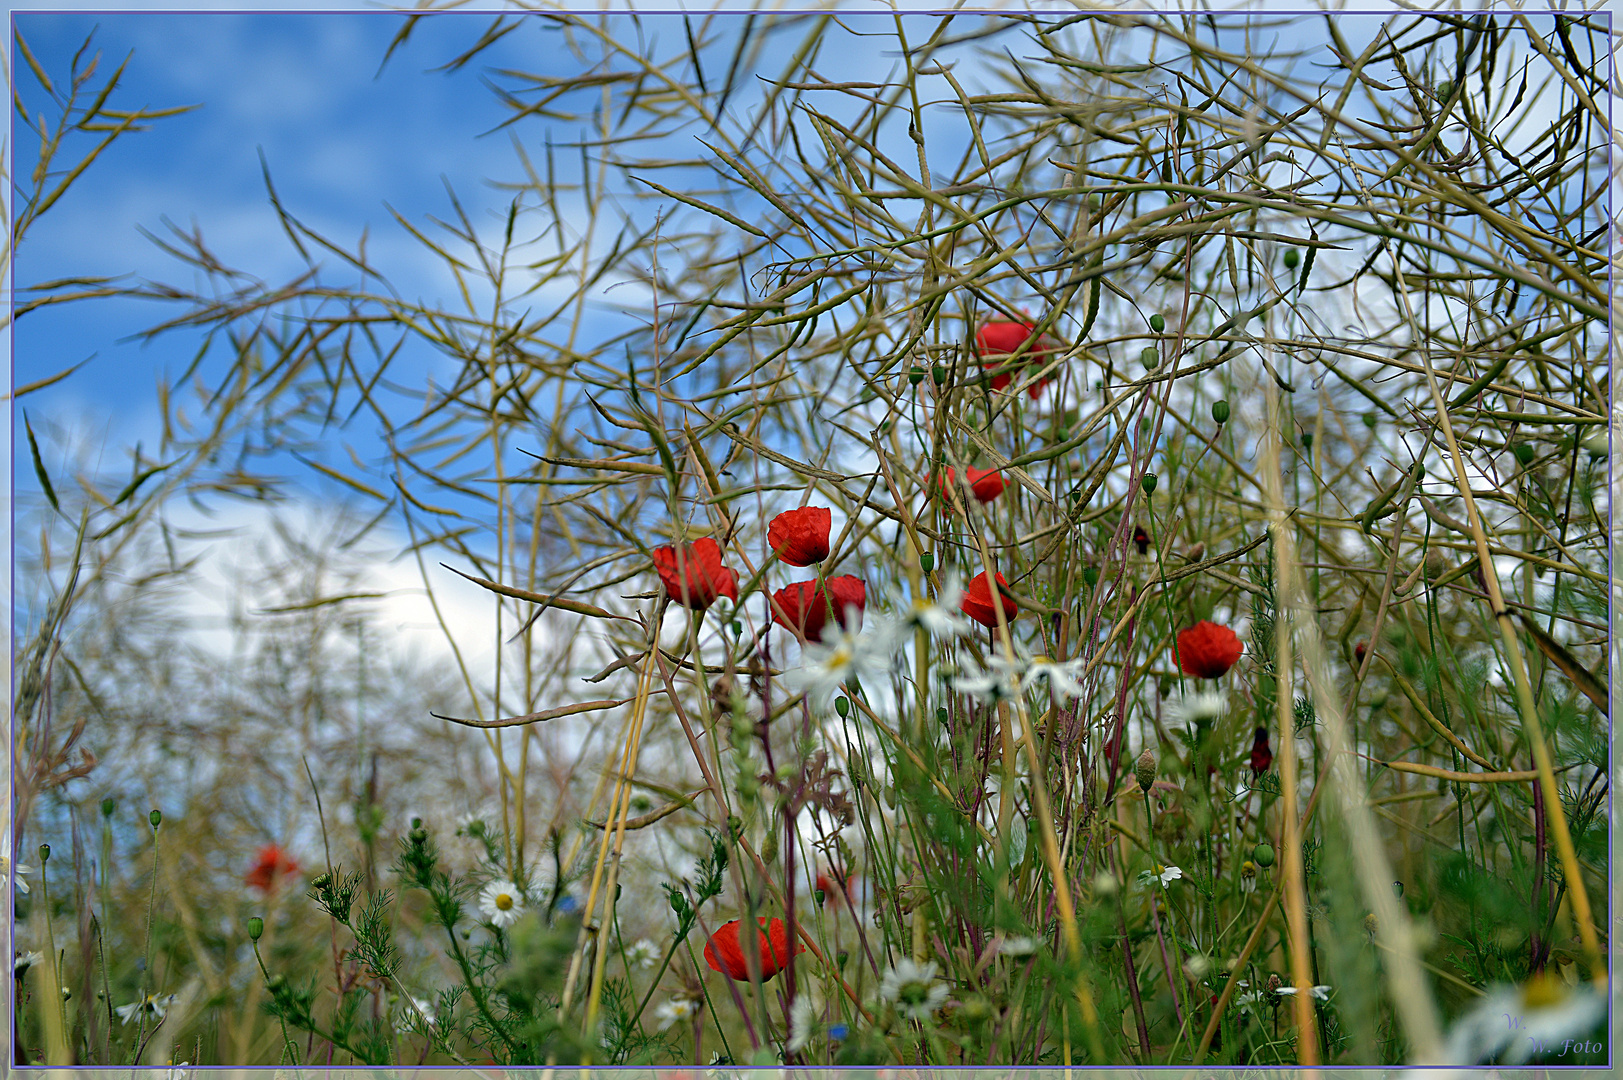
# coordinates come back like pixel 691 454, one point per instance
pixel 1317 352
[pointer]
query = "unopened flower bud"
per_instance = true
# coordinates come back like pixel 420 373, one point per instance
pixel 256 927
pixel 915 376
pixel 939 374
pixel 1292 257
pixel 44 853
pixel 1524 453
pixel 842 706
pixel 1157 323
pixel 926 561
pixel 1220 411
pixel 1263 855
pixel 1149 356
pixel 1145 769
pixel 1148 483
pixel 769 847
pixel 1197 552
pixel 107 807
pixel 156 818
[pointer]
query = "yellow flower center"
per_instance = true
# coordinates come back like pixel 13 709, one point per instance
pixel 504 902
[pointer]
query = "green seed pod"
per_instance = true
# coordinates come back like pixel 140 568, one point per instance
pixel 842 706
pixel 107 806
pixel 1220 410
pixel 1524 453
pixel 1146 769
pixel 939 374
pixel 156 818
pixel 1157 323
pixel 44 854
pixel 256 927
pixel 769 847
pixel 1149 356
pixel 1263 855
pixel 1292 258
pixel 926 561
pixel 1148 482
pixel 915 376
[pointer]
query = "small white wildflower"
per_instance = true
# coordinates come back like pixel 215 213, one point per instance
pixel 642 953
pixel 804 1015
pixel 150 1005
pixel 939 618
pixel 502 903
pixel 24 961
pixel 828 666
pixel 998 681
pixel 1549 1015
pixel 674 1009
pixel 1199 708
pixel 1062 678
pixel 1165 874
pixel 1320 993
pixel 1020 946
pixel 21 868
pixel 914 989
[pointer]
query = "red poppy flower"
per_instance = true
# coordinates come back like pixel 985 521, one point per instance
pixel 800 537
pixel 977 602
pixel 698 577
pixel 836 888
pixel 997 340
pixel 724 952
pixel 273 865
pixel 987 484
pixel 806 608
pixel 1207 650
pixel 1261 755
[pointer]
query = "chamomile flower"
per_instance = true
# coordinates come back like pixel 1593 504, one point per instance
pixel 502 902
pixel 1548 1016
pixel 1198 708
pixel 998 681
pixel 827 666
pixel 675 1009
pixel 1319 993
pixel 1020 946
pixel 804 1015
pixel 914 989
pixel 1062 677
pixel 150 1005
pixel 939 618
pixel 24 961
pixel 1166 875
pixel 642 953
pixel 21 868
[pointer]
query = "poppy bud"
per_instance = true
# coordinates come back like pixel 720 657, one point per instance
pixel 1307 443
pixel 1292 257
pixel 926 561
pixel 107 807
pixel 1220 411
pixel 1196 553
pixel 915 376
pixel 939 374
pixel 842 706
pixel 1145 770
pixel 1148 482
pixel 769 847
pixel 1370 420
pixel 156 818
pixel 736 627
pixel 1263 855
pixel 941 716
pixel 256 927
pixel 1524 453
pixel 44 854
pixel 1157 323
pixel 1149 356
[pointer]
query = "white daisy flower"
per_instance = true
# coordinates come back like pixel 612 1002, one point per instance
pixel 1199 708
pixel 1319 993
pixel 502 902
pixel 1062 677
pixel 1020 946
pixel 804 1015
pixel 828 666
pixel 1547 1016
pixel 21 868
pixel 1165 874
pixel 998 681
pixel 642 953
pixel 150 1005
pixel 673 1009
pixel 914 989
pixel 939 618
pixel 24 961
